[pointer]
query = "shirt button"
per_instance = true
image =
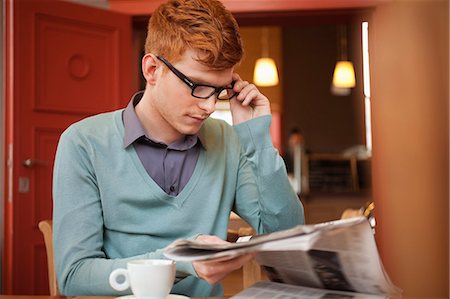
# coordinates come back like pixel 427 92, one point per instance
pixel 172 188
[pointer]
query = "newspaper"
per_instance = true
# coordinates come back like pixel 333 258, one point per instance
pixel 338 255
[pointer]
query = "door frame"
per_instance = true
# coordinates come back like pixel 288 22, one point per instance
pixel 2 138
pixel 6 136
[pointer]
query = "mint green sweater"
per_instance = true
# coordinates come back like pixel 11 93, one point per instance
pixel 108 210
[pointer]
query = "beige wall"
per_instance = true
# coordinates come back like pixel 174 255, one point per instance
pixel 410 109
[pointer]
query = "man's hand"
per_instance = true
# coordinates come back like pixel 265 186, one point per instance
pixel 249 103
pixel 215 270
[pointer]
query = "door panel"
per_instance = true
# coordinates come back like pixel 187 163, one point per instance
pixel 74 76
pixel 69 61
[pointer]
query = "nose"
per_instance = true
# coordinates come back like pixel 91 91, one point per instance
pixel 208 105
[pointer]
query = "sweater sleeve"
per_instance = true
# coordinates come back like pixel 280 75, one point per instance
pixel 82 267
pixel 264 198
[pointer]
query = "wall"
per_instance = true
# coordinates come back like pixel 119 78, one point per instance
pixel 329 123
pixel 251 37
pixel 95 3
pixel 252 40
pixel 410 104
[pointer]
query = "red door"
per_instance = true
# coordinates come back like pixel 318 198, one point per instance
pixel 63 62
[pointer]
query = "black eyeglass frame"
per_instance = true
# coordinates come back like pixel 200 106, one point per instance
pixel 192 85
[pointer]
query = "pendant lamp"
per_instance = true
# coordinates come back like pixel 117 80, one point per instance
pixel 344 73
pixel 265 73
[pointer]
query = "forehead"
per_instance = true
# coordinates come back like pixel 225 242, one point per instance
pixel 201 73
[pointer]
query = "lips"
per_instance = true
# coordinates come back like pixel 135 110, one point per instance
pixel 199 118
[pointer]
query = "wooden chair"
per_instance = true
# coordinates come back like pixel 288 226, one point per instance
pixel 251 271
pixel 46 227
pixel 366 211
pixel 350 213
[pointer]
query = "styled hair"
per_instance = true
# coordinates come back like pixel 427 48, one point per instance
pixel 203 25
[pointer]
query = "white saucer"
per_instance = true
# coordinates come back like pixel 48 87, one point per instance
pixel 175 296
pixel 170 296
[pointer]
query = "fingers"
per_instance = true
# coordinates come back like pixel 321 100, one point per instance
pixel 210 239
pixel 215 270
pixel 249 103
pixel 248 93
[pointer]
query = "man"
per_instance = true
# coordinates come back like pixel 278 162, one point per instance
pixel 128 183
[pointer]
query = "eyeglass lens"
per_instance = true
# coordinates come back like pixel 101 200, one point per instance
pixel 226 94
pixel 204 91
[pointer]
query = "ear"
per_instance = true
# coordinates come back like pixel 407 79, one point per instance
pixel 149 68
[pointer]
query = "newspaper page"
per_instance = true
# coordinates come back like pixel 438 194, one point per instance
pixel 338 255
pixel 344 259
pixel 273 290
pixel 298 238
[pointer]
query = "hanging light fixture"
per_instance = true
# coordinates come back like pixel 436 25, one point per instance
pixel 344 73
pixel 265 73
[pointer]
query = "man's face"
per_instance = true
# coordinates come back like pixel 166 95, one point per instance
pixel 181 113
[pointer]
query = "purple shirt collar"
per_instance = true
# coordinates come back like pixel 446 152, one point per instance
pixel 135 131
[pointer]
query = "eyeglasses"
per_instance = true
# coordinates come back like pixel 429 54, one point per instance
pixel 202 91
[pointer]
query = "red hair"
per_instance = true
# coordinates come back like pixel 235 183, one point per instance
pixel 203 25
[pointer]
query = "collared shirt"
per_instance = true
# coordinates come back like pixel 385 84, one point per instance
pixel 170 166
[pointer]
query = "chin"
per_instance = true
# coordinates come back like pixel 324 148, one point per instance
pixel 188 126
pixel 191 130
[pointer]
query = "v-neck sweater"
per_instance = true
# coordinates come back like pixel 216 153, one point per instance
pixel 108 210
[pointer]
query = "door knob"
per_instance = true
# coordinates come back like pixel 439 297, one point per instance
pixel 32 162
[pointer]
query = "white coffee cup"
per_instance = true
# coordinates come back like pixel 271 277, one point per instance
pixel 148 279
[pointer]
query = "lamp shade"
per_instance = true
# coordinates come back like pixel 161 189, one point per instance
pixel 344 75
pixel 265 73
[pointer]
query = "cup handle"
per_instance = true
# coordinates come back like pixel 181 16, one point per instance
pixel 113 279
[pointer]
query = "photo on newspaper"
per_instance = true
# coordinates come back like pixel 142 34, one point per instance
pixel 338 255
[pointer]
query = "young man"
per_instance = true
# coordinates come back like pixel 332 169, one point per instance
pixel 128 183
